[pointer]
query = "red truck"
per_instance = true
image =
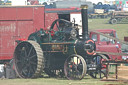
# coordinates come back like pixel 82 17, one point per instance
pixel 104 44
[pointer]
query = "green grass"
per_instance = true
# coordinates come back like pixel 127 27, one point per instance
pixel 58 81
pixel 121 28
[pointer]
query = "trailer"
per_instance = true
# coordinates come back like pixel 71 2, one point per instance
pixel 118 17
pixel 102 10
pixel 99 13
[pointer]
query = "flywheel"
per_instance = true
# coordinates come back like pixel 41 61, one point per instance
pixel 29 60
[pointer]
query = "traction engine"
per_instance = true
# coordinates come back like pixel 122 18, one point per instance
pixel 58 51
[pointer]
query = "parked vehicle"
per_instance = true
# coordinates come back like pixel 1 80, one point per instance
pixel 118 17
pixel 105 44
pixel 102 10
pixel 60 48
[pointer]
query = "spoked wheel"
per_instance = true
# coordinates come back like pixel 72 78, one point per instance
pixel 97 74
pixel 100 71
pixel 29 60
pixel 75 67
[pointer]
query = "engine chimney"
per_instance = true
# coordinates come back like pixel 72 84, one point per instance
pixel 84 13
pixel 85 46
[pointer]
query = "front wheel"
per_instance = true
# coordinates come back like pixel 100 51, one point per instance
pixel 114 21
pixel 75 67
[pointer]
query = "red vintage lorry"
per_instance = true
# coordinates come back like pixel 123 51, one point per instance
pixel 105 44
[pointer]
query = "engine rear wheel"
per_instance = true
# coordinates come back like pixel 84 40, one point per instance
pixel 29 60
pixel 75 67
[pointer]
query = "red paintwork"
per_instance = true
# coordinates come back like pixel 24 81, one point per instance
pixel 34 2
pixel 49 18
pixel 18 22
pixel 105 46
pixel 62 9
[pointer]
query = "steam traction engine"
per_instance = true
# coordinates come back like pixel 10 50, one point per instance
pixel 59 50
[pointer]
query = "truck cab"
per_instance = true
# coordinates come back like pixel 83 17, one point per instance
pixel 104 44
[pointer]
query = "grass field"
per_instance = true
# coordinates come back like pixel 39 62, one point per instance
pixel 59 81
pixel 122 30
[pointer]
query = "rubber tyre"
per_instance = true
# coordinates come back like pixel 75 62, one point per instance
pixel 114 21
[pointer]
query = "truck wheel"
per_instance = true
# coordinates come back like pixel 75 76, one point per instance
pixel 75 67
pixel 29 60
pixel 113 21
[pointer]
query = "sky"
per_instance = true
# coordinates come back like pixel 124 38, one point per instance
pixel 96 1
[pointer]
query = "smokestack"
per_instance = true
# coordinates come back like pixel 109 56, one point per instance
pixel 84 13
